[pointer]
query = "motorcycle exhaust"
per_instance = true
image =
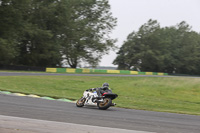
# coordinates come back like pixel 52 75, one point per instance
pixel 113 104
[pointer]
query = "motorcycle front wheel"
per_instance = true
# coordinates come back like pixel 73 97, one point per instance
pixel 105 104
pixel 80 102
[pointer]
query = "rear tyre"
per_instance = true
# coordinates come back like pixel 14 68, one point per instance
pixel 105 104
pixel 80 102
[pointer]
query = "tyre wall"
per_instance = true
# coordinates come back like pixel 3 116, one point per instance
pixel 100 71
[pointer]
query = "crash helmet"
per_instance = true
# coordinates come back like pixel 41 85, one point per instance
pixel 105 85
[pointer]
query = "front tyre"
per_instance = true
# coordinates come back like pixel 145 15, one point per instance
pixel 105 104
pixel 80 102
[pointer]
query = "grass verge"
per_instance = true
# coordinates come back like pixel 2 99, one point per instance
pixel 174 94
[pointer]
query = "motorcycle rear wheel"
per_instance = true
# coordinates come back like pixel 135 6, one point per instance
pixel 105 104
pixel 80 102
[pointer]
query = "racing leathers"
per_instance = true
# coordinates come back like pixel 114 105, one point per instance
pixel 100 90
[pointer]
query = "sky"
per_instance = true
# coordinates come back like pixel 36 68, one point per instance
pixel 131 14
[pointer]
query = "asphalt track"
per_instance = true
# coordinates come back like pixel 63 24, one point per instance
pixel 136 120
pixel 68 74
pixel 75 74
pixel 16 111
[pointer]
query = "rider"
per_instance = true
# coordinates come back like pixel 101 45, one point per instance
pixel 101 90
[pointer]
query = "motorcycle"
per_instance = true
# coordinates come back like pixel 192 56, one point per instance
pixel 102 102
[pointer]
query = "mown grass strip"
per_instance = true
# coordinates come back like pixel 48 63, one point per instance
pixel 166 94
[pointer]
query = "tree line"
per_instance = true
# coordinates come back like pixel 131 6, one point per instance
pixel 46 32
pixel 174 49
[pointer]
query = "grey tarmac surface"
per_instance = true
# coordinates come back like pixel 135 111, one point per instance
pixel 25 125
pixel 46 112
pixel 75 74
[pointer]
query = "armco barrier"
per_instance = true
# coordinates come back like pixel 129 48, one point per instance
pixel 99 71
pixel 69 70
pixel 51 69
pixel 113 71
pixel 125 72
pixel 84 70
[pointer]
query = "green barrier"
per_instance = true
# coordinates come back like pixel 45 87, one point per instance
pixel 86 70
pixel 142 73
pixel 61 70
pixel 154 73
pixel 79 70
pixel 100 71
pixel 124 72
pixel 92 70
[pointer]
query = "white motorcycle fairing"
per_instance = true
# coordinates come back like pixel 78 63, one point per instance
pixel 89 96
pixel 103 102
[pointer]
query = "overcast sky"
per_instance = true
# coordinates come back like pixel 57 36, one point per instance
pixel 131 14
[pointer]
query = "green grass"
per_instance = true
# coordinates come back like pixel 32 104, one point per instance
pixel 174 94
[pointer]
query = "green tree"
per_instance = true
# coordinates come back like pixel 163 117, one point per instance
pixel 187 50
pixel 38 45
pixel 43 33
pixel 84 30
pixel 140 46
pixel 169 49
pixel 11 23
